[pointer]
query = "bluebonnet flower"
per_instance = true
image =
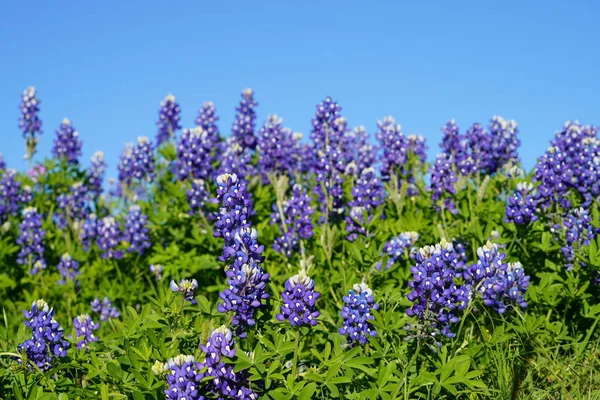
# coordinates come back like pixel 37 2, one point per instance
pixel 68 268
pixel 367 195
pixel 578 232
pixel 184 378
pixel 235 159
pixel 552 173
pixel 297 216
pixel 245 120
pixel 501 285
pixel 357 314
pixel 187 288
pixel 136 230
pixel 46 343
pixel 234 211
pixel 207 120
pixel 323 132
pixel 522 205
pixel 452 140
pixel 9 194
pixel 299 298
pixel 197 197
pixel 84 330
pixel 194 154
pixel 156 270
pixel 277 148
pixel 168 119
pixel 67 144
pixel 25 196
pixel 31 240
pixel 226 384
pixel 399 247
pixel 89 231
pixel 443 179
pixel 504 142
pixel 108 236
pixel 105 309
pixel 30 122
pixel 362 152
pixel 96 173
pixel 72 205
pixel 478 144
pixel 137 162
pixel 437 297
pixel 246 281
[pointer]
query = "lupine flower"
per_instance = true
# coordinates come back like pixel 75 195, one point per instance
pixel 504 142
pixel 187 288
pixel 105 309
pixel 72 205
pixel 96 173
pixel 478 150
pixel 452 140
pixel 357 314
pixel 226 384
pixel 137 162
pixel 67 144
pixel 184 378
pixel 367 195
pixel 578 233
pixel 235 159
pixel 207 120
pixel 9 194
pixel 363 152
pixel 136 230
pixel 234 212
pixel 299 298
pixel 46 343
pixel 276 147
pixel 25 196
pixel 297 215
pixel 522 205
pixel 89 231
pixel 84 330
pixel 168 119
pixel 501 285
pixel 194 154
pixel 246 279
pixel 156 270
pixel 31 239
pixel 245 120
pixel 552 173
pixel 437 298
pixel 30 122
pixel 197 196
pixel 108 237
pixel 443 178
pixel 68 269
pixel 399 247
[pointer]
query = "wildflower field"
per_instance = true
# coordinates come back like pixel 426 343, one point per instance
pixel 252 263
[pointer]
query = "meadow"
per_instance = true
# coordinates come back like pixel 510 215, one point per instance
pixel 252 263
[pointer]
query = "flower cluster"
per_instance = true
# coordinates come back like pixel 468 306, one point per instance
pixel 246 280
pixel 137 162
pixel 277 148
pixel 522 205
pixel 11 194
pixel 31 239
pixel 136 230
pixel 504 142
pixel 187 288
pixel 67 145
pixel 207 120
pixel 72 205
pixel 399 247
pixel 437 297
pixel 578 231
pixel 168 119
pixel 46 342
pixel 443 179
pixel 108 236
pixel 501 285
pixel 234 211
pixel 235 159
pixel 89 231
pixel 105 309
pixel 367 195
pixel 296 223
pixel 299 298
pixel 194 154
pixel 30 122
pixel 362 152
pixel 245 120
pixel 197 196
pixel 357 314
pixel 68 268
pixel 184 378
pixel 96 173
pixel 84 330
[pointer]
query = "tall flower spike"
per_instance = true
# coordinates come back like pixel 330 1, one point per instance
pixel 96 173
pixel 522 205
pixel 197 197
pixel 357 314
pixel 108 238
pixel 68 269
pixel 89 231
pixel 84 330
pixel 443 179
pixel 245 120
pixel 31 239
pixel 168 119
pixel 299 298
pixel 235 159
pixel 578 232
pixel 46 343
pixel 72 205
pixel 12 197
pixel 504 142
pixel 297 215
pixel 105 309
pixel 367 195
pixel 399 247
pixel 30 122
pixel 187 288
pixel 67 145
pixel 277 148
pixel 136 230
pixel 194 154
pixel 184 378
pixel 137 162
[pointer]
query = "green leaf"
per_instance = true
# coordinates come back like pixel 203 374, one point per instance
pixel 308 391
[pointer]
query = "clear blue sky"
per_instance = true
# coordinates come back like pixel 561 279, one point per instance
pixel 106 65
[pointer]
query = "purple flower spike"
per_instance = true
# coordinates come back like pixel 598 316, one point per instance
pixel 522 205
pixel 136 230
pixel 31 239
pixel 108 237
pixel 30 122
pixel 168 119
pixel 84 330
pixel 68 269
pixel 297 214
pixel 184 378
pixel 357 314
pixel 244 125
pixel 67 145
pixel 105 309
pixel 299 298
pixel 187 288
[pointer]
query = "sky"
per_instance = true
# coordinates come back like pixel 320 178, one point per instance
pixel 107 65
